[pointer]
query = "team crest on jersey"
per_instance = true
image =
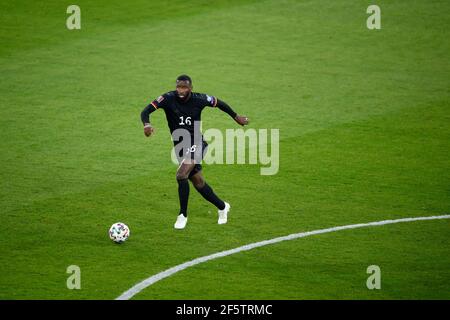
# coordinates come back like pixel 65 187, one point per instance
pixel 160 98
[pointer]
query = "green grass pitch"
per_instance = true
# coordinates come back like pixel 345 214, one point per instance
pixel 364 136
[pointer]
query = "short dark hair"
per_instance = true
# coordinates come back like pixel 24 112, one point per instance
pixel 184 77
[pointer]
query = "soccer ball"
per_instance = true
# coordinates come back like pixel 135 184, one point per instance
pixel 119 232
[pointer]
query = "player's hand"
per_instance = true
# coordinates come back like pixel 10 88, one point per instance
pixel 148 130
pixel 242 120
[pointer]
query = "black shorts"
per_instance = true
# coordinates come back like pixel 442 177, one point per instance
pixel 194 152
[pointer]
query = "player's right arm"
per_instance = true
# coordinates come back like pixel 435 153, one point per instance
pixel 160 102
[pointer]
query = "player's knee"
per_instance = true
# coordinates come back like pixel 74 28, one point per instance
pixel 182 176
pixel 199 185
pixel 198 182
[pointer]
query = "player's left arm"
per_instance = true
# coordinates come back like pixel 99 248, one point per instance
pixel 222 105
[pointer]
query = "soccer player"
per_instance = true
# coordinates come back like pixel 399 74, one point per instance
pixel 183 109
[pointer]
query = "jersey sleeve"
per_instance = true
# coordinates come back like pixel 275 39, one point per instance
pixel 209 101
pixel 156 104
pixel 160 102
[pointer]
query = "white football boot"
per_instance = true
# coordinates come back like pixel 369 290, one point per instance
pixel 181 222
pixel 223 214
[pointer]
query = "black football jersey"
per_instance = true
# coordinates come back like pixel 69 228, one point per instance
pixel 183 114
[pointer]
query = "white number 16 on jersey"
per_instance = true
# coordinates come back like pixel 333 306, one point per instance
pixel 185 121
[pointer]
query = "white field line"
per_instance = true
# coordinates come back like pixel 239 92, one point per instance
pixel 167 273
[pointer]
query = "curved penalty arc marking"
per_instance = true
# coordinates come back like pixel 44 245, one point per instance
pixel 167 273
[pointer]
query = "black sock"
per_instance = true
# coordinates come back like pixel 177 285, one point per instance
pixel 209 195
pixel 183 194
